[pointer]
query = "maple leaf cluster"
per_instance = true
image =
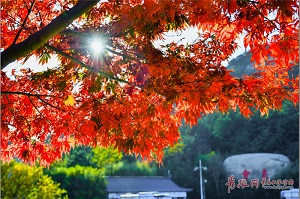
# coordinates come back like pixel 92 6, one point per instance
pixel 134 95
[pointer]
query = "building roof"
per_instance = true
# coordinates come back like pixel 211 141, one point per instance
pixel 134 184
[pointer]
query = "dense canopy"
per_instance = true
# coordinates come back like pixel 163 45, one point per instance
pixel 132 94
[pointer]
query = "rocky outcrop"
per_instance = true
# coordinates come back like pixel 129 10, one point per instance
pixel 255 165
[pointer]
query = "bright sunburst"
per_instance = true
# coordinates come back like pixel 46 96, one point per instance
pixel 97 46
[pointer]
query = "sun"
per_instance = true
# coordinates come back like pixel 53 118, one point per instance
pixel 97 45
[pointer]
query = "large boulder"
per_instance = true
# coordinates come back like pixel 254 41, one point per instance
pixel 255 165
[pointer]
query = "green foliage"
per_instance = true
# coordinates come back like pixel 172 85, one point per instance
pixel 135 168
pixel 177 148
pixel 98 157
pixel 215 172
pixel 22 181
pixel 81 172
pixel 80 181
pixel 275 134
pixel 105 157
pixel 107 161
pixel 220 124
pixel 79 156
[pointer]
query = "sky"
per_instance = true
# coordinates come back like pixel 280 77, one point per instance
pixel 187 36
pixel 191 34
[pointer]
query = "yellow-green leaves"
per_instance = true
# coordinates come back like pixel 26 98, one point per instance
pixel 22 181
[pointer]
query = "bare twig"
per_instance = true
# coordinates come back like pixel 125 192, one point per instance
pixel 23 93
pixel 32 95
pixel 49 103
pixel 275 26
pixel 23 24
pixel 39 111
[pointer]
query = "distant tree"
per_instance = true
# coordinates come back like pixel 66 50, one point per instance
pixel 276 133
pixel 135 168
pixel 80 155
pixel 81 182
pixel 98 157
pixel 215 173
pixel 23 181
pixel 82 171
pixel 106 157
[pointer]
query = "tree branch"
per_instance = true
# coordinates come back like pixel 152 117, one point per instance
pixel 36 40
pixel 32 95
pixel 39 97
pixel 120 54
pixel 39 111
pixel 84 65
pixel 23 24
pixel 275 26
pixel 22 93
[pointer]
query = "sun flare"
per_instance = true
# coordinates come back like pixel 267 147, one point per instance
pixel 97 46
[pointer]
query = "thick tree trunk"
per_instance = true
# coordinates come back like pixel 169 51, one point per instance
pixel 38 39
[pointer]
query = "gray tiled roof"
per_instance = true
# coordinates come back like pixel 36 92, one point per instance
pixel 134 184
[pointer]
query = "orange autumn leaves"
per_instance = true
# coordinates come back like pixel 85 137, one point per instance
pixel 139 104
